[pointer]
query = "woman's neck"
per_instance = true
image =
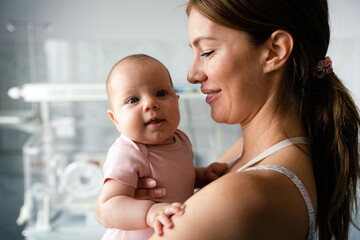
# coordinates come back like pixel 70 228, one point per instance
pixel 266 130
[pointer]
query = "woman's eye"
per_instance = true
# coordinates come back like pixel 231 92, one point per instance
pixel 161 93
pixel 133 100
pixel 206 54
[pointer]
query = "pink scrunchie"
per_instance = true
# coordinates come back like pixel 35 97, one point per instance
pixel 323 67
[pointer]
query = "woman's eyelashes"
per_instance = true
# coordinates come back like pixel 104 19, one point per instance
pixel 206 54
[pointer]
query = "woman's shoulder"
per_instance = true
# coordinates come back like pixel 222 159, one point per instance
pixel 246 205
pixel 265 203
pixel 251 193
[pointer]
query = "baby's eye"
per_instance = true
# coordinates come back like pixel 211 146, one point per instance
pixel 133 100
pixel 161 93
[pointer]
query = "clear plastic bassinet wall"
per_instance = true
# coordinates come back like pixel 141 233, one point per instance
pixel 63 177
pixel 63 159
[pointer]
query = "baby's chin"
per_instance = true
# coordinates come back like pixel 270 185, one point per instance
pixel 160 141
pixel 154 139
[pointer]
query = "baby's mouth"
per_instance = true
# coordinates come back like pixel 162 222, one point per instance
pixel 154 121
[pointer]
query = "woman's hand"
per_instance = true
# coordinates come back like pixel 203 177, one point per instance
pixel 160 213
pixel 147 189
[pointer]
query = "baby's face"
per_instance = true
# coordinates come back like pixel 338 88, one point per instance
pixel 145 106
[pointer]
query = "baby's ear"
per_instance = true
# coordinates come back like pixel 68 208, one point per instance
pixel 113 118
pixel 111 115
pixel 279 47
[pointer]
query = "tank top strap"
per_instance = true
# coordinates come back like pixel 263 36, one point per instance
pixel 283 144
pixel 232 161
pixel 300 186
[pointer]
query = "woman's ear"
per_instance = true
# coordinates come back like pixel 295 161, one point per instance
pixel 279 47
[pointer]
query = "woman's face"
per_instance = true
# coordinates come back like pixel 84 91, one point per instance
pixel 229 69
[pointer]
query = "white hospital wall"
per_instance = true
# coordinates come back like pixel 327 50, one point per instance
pixel 345 43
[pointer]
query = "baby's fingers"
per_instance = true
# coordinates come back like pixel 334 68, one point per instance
pixel 174 209
pixel 165 220
pixel 158 227
pixel 162 221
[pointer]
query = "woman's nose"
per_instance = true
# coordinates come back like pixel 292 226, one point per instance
pixel 196 74
pixel 150 104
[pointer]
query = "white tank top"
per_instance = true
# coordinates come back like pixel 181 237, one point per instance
pixel 283 144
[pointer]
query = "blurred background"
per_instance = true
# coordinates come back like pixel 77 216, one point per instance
pixel 54 130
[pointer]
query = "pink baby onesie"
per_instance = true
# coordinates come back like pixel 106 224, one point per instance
pixel 170 165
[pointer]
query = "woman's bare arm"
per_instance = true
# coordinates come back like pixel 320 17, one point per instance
pixel 248 205
pixel 212 213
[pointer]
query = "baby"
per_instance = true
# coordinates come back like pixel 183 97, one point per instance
pixel 144 108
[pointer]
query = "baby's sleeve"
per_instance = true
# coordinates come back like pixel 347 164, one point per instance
pixel 126 162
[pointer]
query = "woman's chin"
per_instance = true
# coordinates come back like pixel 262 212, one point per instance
pixel 218 117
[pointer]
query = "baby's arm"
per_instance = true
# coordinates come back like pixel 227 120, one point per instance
pixel 119 209
pixel 205 175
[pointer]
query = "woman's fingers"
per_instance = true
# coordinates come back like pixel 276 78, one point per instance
pixel 147 194
pixel 146 183
pixel 147 189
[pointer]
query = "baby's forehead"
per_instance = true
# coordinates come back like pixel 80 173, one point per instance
pixel 138 66
pixel 129 65
pixel 139 61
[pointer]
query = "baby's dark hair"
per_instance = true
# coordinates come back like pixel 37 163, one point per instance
pixel 133 58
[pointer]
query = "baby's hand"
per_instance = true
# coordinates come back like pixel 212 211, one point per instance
pixel 159 215
pixel 214 171
pixel 205 175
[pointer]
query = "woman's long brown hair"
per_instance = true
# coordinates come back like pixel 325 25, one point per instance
pixel 325 106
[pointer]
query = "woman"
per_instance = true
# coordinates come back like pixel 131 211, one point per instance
pixel 256 61
pixel 263 65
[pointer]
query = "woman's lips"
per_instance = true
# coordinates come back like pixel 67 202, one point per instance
pixel 211 96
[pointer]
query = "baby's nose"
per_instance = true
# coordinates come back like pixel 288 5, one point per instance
pixel 151 104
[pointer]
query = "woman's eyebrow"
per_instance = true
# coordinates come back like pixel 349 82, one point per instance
pixel 199 39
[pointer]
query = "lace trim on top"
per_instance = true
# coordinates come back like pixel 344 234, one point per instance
pixel 300 187
pixel 283 144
